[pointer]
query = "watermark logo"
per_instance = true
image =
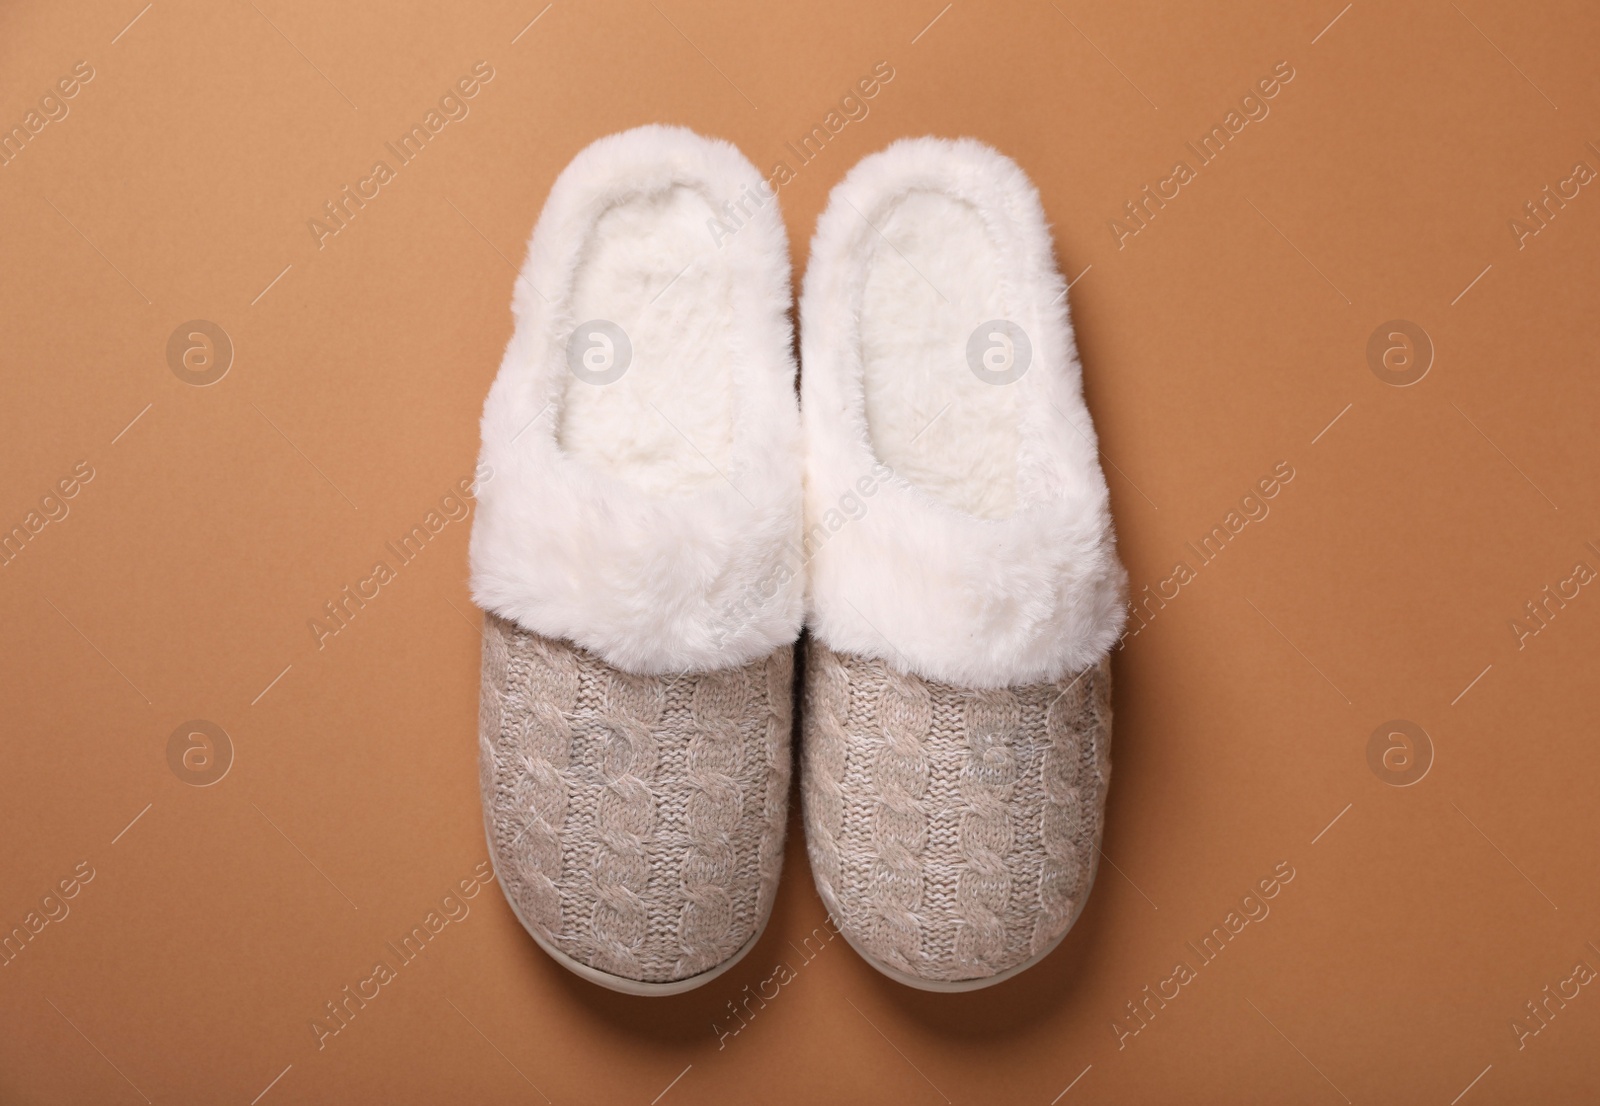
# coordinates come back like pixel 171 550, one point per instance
pixel 599 352
pixel 454 506
pixel 1139 212
pixel 53 507
pixel 1544 1007
pixel 999 352
pixel 1538 213
pixel 53 108
pixel 1252 507
pixel 1399 752
pixel 338 213
pixel 1400 352
pixel 743 1008
pixel 199 752
pixel 1541 610
pixel 1140 1012
pixel 199 352
pixel 735 214
pixel 339 1012
pixel 850 507
pixel 53 908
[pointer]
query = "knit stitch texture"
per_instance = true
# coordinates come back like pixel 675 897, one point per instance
pixel 636 822
pixel 953 833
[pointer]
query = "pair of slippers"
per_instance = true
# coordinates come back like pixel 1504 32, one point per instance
pixel 660 517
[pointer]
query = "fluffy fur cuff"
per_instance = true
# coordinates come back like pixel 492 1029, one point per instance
pixel 688 568
pixel 996 569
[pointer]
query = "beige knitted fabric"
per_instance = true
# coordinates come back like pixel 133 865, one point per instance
pixel 636 822
pixel 953 833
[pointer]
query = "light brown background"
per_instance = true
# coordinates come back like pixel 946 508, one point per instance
pixel 1224 338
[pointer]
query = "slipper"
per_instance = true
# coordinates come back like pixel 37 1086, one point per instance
pixel 633 550
pixel 964 589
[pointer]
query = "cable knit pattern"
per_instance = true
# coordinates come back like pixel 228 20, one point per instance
pixel 636 822
pixel 538 751
pixel 985 834
pixel 1077 752
pixel 710 868
pixel 953 832
pixel 902 713
pixel 827 708
pixel 778 763
pixel 624 817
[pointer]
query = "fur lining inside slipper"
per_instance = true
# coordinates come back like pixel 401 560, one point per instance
pixel 642 432
pixel 958 524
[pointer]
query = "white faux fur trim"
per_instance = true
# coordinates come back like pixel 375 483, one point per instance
pixel 1019 588
pixel 672 573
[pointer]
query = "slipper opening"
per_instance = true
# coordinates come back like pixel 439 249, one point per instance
pixel 649 399
pixel 933 301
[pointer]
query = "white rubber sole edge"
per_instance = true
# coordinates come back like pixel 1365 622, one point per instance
pixel 621 983
pixel 955 986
